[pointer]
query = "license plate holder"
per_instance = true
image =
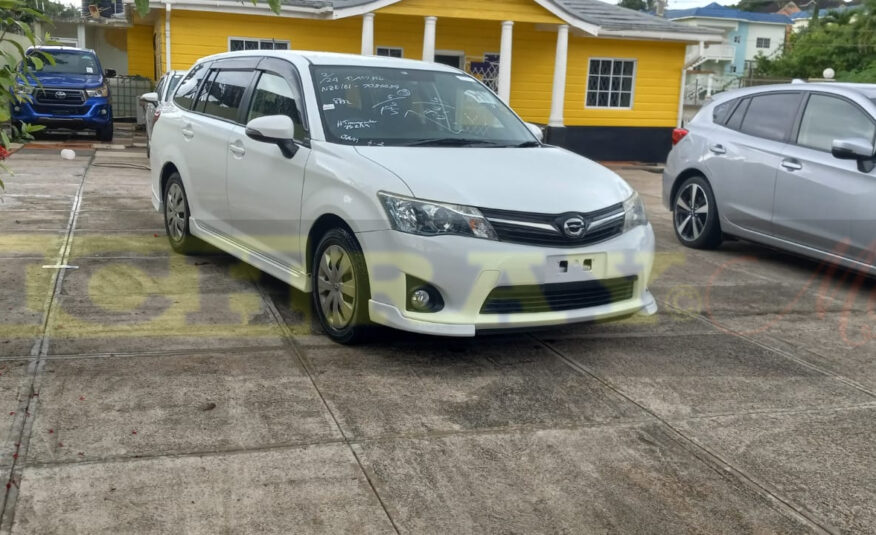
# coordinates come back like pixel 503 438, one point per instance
pixel 575 267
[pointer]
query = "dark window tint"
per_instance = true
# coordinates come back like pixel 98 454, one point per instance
pixel 201 99
pixel 185 96
pixel 222 98
pixel 274 95
pixel 159 89
pixel 735 120
pixel 722 111
pixel 829 118
pixel 770 116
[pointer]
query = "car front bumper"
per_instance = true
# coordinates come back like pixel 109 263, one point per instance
pixel 94 113
pixel 466 270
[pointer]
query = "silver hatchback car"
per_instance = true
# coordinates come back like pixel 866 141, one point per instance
pixel 790 166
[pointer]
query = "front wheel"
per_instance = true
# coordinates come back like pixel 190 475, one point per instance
pixel 105 133
pixel 340 287
pixel 695 215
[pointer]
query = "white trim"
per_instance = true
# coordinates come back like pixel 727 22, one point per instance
pixel 663 36
pixel 378 47
pixel 729 18
pixel 361 10
pixel 632 86
pixel 259 40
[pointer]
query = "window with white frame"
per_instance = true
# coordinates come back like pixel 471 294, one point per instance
pixel 762 42
pixel 610 83
pixel 248 43
pixel 391 51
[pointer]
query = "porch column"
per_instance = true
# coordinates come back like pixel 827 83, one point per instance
pixel 368 34
pixel 505 62
pixel 558 97
pixel 80 35
pixel 429 39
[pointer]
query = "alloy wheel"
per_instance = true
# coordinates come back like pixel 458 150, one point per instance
pixel 175 213
pixel 691 212
pixel 336 286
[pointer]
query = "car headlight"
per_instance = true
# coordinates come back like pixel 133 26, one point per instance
pixel 634 212
pixel 435 219
pixel 25 89
pixel 101 91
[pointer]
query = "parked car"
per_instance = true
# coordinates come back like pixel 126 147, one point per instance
pixel 71 92
pixel 790 166
pixel 153 103
pixel 395 191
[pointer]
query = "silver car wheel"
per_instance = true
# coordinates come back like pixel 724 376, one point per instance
pixel 336 286
pixel 175 213
pixel 691 212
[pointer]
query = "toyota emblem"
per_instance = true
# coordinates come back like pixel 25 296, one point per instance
pixel 60 95
pixel 574 227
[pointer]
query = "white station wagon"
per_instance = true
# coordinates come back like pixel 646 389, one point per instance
pixel 396 192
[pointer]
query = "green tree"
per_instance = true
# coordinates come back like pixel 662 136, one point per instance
pixel 637 5
pixel 845 42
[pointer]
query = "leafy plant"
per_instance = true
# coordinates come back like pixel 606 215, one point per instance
pixel 16 80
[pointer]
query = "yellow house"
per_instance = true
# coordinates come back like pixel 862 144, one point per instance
pixel 605 80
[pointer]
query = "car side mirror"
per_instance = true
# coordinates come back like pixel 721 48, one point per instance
pixel 536 131
pixel 151 98
pixel 110 73
pixel 277 129
pixel 855 148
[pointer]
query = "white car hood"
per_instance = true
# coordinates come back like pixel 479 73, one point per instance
pixel 544 179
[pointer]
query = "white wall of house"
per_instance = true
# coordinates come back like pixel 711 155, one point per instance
pixel 774 32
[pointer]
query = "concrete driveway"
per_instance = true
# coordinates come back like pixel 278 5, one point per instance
pixel 144 391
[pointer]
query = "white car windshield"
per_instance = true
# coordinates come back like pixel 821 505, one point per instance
pixel 411 107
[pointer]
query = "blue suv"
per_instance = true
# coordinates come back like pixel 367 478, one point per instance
pixel 71 93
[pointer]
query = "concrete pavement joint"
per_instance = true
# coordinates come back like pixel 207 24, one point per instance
pixel 39 351
pixel 782 353
pixel 219 351
pixel 705 455
pixel 293 347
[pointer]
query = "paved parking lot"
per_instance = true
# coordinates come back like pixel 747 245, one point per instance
pixel 149 392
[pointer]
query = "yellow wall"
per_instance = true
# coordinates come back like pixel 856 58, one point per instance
pixel 516 10
pixel 140 57
pixel 656 90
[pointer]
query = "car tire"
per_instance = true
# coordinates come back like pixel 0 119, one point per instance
pixel 341 291
pixel 176 217
pixel 105 133
pixel 695 214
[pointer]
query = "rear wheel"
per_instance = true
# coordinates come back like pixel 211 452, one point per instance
pixel 176 217
pixel 340 287
pixel 695 215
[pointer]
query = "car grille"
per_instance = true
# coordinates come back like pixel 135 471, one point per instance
pixel 558 296
pixel 547 229
pixel 67 110
pixel 48 95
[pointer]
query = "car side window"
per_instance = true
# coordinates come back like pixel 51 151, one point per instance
pixel 771 115
pixel 204 93
pixel 188 88
pixel 829 118
pixel 159 89
pixel 735 120
pixel 722 111
pixel 274 95
pixel 222 98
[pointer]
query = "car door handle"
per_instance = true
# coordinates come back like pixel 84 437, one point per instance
pixel 187 131
pixel 237 149
pixel 717 149
pixel 792 165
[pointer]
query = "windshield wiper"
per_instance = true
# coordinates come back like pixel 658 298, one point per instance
pixel 448 142
pixel 527 144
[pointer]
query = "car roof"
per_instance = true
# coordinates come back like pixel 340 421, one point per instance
pixel 333 58
pixel 840 88
pixel 50 48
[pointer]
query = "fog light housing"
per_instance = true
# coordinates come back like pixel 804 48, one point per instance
pixel 103 112
pixel 422 296
pixel 17 109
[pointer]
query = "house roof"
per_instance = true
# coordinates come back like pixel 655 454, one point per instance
pixel 717 11
pixel 593 17
pixel 808 14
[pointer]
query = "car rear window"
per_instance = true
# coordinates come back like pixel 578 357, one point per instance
pixel 735 120
pixel 770 116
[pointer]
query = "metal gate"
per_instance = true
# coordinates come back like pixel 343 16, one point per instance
pixel 125 94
